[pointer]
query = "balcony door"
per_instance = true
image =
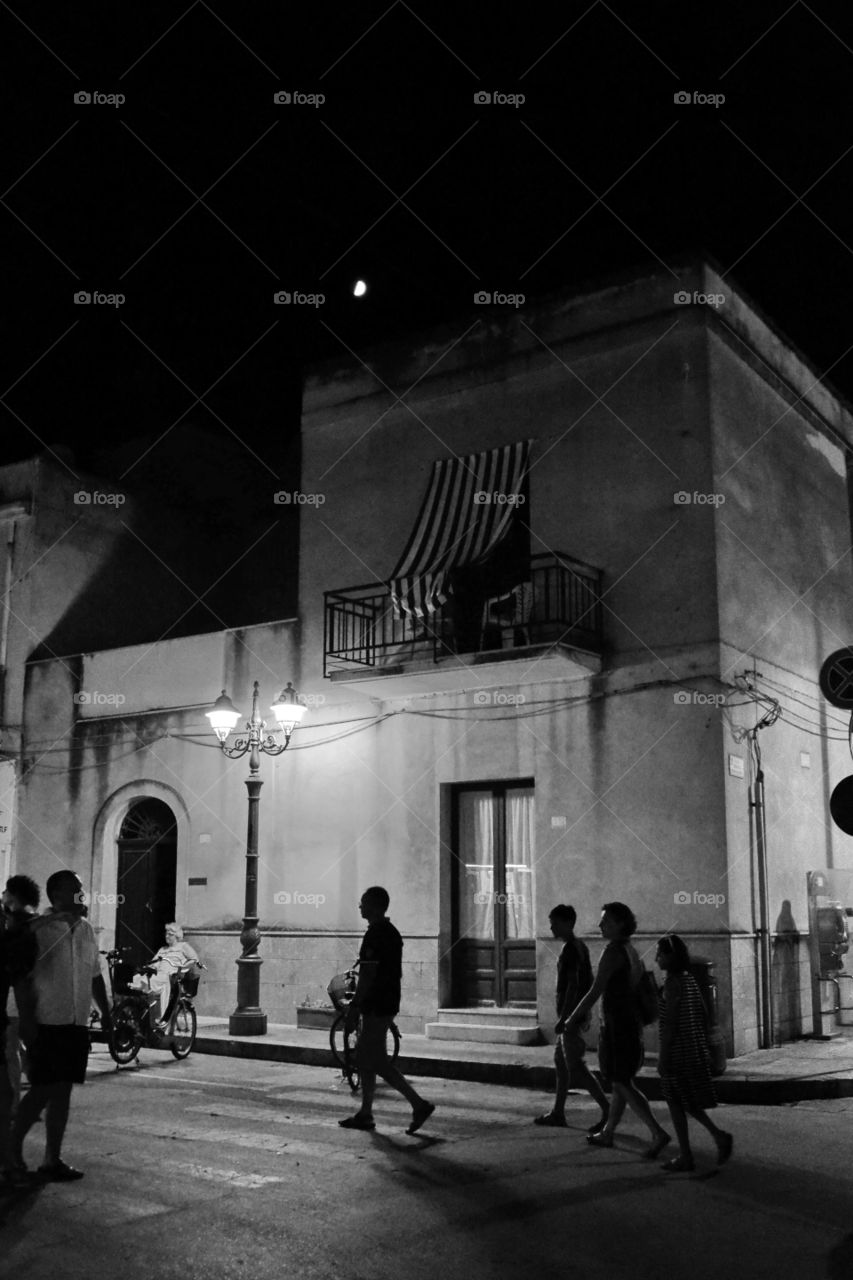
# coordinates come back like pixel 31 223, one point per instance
pixel 494 951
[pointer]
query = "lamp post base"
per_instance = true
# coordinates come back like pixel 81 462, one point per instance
pixel 247 1022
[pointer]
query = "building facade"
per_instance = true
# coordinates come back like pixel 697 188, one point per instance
pixel 555 570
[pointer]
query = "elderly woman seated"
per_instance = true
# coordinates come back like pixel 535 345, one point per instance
pixel 172 958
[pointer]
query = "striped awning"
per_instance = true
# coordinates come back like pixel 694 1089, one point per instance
pixel 468 509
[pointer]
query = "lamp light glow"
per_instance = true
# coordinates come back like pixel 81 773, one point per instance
pixel 288 710
pixel 223 716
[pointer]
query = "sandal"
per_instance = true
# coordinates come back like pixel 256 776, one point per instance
pixel 551 1121
pixel 678 1165
pixel 601 1139
pixel 357 1121
pixel 652 1152
pixel 599 1126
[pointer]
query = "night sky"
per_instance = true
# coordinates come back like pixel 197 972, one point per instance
pixel 199 198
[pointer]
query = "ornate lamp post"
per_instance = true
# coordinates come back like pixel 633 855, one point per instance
pixel 248 1019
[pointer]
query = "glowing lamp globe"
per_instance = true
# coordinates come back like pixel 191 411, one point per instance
pixel 223 716
pixel 288 710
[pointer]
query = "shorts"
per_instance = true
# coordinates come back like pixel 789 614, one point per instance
pixel 373 1041
pixel 570 1049
pixel 59 1055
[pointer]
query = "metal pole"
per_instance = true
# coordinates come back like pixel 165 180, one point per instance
pixel 764 920
pixel 248 1019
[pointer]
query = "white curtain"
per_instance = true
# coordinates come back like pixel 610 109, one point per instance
pixel 477 851
pixel 519 863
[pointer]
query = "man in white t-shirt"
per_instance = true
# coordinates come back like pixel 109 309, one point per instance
pixel 55 1019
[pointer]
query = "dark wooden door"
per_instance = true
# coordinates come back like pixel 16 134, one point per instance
pixel 147 861
pixel 494 951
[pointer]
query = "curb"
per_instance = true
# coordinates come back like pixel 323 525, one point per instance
pixel 730 1089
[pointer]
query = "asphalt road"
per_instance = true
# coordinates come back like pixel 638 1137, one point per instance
pixel 226 1168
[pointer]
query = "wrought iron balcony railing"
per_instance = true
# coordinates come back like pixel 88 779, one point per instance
pixel 558 603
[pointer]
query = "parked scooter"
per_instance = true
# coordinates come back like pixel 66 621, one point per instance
pixel 133 1027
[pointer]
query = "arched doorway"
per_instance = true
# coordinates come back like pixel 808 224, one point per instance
pixel 147 860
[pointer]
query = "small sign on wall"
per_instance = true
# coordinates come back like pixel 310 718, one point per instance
pixel 558 820
pixel 736 768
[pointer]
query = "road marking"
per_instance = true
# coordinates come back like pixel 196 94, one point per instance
pixel 233 1177
pixel 229 1137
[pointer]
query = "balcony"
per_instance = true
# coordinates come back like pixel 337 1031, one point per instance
pixel 547 626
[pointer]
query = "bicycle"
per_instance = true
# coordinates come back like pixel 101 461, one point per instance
pixel 131 1013
pixel 344 1042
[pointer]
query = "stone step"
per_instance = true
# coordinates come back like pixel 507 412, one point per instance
pixel 489 1016
pixel 498 1032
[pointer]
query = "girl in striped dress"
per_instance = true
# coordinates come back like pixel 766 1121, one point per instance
pixel 683 1061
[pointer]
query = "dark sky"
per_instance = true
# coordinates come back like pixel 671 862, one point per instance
pixel 199 198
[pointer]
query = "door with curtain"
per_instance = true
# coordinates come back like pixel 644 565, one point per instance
pixel 494 948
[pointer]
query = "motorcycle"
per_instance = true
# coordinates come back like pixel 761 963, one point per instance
pixel 132 1024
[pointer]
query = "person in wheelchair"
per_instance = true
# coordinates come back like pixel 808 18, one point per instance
pixel 172 958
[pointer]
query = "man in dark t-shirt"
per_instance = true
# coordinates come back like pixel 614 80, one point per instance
pixel 376 1002
pixel 574 979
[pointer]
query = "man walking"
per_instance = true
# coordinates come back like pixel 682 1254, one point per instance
pixel 20 901
pixel 377 1002
pixel 55 1019
pixel 574 979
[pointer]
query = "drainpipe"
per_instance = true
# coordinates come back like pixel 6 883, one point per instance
pixel 7 613
pixel 764 942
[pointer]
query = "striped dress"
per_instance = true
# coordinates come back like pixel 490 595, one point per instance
pixel 688 1082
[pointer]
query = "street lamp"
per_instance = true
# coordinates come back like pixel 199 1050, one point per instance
pixel 248 1019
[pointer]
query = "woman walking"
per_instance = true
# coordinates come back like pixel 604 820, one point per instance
pixel 620 1048
pixel 683 1061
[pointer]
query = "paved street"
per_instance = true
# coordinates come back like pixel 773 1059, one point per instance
pixel 219 1168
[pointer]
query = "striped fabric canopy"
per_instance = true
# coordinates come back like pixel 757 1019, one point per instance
pixel 467 511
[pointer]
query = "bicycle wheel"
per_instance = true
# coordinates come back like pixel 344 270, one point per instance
pixel 336 1040
pixel 126 1036
pixel 183 1033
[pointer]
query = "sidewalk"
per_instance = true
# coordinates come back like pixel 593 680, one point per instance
pixel 795 1072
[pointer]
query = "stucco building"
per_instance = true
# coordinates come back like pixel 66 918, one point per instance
pixel 555 565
